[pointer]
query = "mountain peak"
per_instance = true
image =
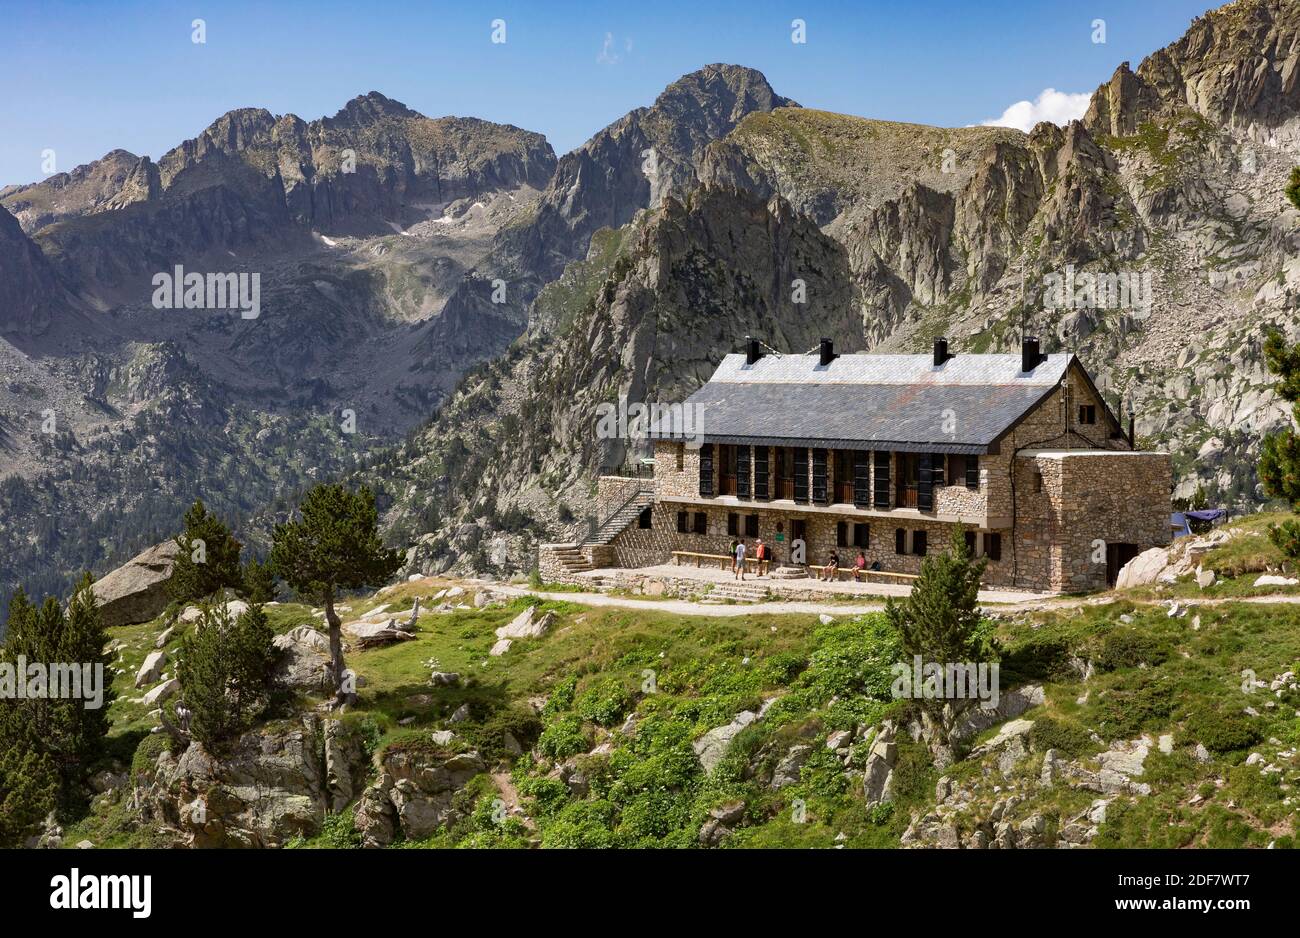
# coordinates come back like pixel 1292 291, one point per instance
pixel 747 87
pixel 371 107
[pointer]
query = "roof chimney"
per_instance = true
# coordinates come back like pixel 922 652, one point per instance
pixel 1029 354
pixel 753 351
pixel 828 352
pixel 941 351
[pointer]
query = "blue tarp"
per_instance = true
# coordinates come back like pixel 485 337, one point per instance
pixel 1180 521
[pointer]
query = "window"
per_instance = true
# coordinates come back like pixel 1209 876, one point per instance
pixel 1087 413
pixel 701 522
pixel 751 525
pixel 956 469
pixel 681 456
pixel 972 472
pixel 900 541
pixel 970 542
pixel 918 543
pixel 683 522
pixel 733 523
pixel 936 470
pixel 1038 481
pixel 842 534
pixel 993 545
pixel 643 520
pixel 798 532
pixel 861 535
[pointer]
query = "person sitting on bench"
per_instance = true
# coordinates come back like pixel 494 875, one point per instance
pixel 859 566
pixel 832 568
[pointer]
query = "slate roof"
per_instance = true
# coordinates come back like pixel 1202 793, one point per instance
pixel 864 401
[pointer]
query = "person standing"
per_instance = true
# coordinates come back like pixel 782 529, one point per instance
pixel 740 560
pixel 762 555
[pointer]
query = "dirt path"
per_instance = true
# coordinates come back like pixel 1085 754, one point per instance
pixel 687 608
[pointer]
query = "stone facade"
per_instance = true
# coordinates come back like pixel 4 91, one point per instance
pixel 1077 488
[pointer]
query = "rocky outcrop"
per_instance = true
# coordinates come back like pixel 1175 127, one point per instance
pixel 414 795
pixel 304 662
pixel 137 590
pixel 30 295
pixel 270 785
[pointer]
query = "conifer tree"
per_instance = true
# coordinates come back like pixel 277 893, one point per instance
pixel 225 673
pixel 335 546
pixel 259 582
pixel 1279 463
pixel 207 559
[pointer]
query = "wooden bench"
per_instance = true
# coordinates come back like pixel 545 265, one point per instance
pixel 726 562
pixel 846 574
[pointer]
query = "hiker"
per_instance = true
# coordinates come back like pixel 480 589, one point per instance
pixel 740 560
pixel 832 568
pixel 859 566
pixel 762 553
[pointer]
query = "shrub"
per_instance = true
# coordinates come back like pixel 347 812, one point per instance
pixel 1129 648
pixel 1067 738
pixel 563 738
pixel 603 703
pixel 1221 731
pixel 561 698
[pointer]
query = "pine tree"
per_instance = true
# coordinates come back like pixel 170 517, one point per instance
pixel 259 582
pixel 334 547
pixel 940 621
pixel 940 618
pixel 207 559
pixel 1279 463
pixel 225 673
pixel 1293 187
pixel 29 784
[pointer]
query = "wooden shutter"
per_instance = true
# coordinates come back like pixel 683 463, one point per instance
pixel 993 545
pixel 842 534
pixel 801 475
pixel 742 471
pixel 819 477
pixel 701 522
pixel 733 523
pixel 751 525
pixel 861 479
pixel 761 489
pixel 683 522
pixel 881 480
pixel 925 482
pixel 900 541
pixel 970 542
pixel 937 477
pixel 918 542
pixel 972 472
pixel 861 535
pixel 706 470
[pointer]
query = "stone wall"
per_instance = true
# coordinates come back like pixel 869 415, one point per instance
pixel 641 547
pixel 1085 501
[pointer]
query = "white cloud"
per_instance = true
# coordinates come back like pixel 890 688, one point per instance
pixel 607 54
pixel 1057 107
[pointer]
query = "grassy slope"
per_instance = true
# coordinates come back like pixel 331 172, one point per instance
pixel 1156 675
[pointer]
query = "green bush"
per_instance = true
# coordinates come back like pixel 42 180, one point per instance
pixel 1221 731
pixel 1038 658
pixel 1067 738
pixel 564 737
pixel 146 755
pixel 1129 648
pixel 561 698
pixel 604 703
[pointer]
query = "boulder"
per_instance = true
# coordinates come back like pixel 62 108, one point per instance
pixel 1272 579
pixel 878 775
pixel 713 745
pixel 136 591
pixel 304 663
pixel 377 634
pixel 163 691
pixel 1144 568
pixel 787 770
pixel 527 625
pixel 151 670
pixel 500 648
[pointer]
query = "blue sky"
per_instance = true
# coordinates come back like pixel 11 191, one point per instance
pixel 82 78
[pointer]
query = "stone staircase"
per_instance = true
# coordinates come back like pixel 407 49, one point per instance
pixel 572 558
pixel 618 522
pixel 735 592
